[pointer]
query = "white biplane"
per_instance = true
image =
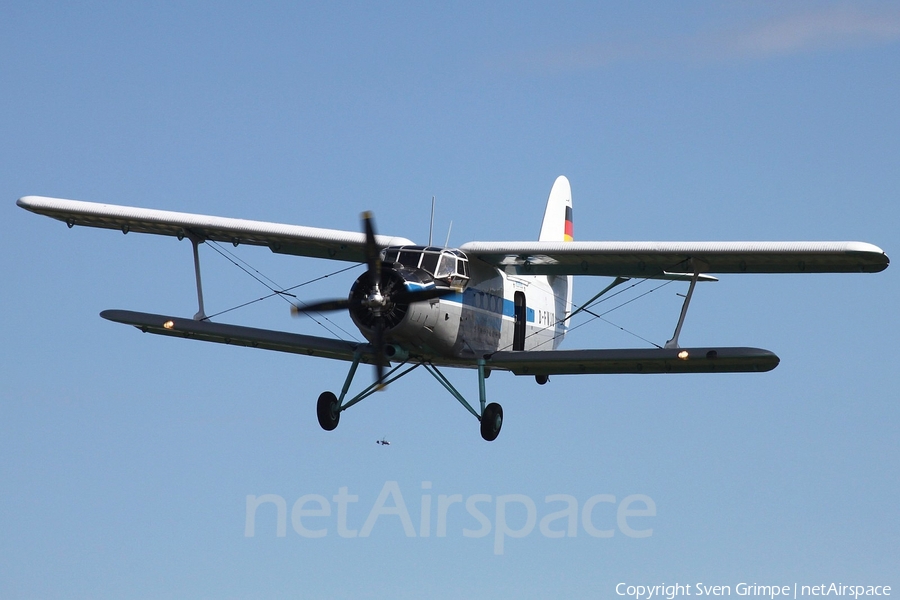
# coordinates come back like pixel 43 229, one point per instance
pixel 488 306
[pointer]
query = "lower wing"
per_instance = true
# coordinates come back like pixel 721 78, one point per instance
pixel 549 362
pixel 635 360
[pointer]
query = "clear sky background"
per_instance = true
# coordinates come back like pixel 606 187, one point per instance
pixel 126 459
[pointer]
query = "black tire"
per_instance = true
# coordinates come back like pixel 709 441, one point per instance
pixel 491 421
pixel 327 411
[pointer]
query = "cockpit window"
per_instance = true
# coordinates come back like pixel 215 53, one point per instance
pixel 451 266
pixel 446 267
pixel 409 258
pixel 430 262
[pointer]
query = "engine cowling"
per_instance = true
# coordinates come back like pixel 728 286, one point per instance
pixel 401 320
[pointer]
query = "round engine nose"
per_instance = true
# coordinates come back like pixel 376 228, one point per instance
pixel 368 303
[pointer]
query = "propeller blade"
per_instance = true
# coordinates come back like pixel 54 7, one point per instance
pixel 408 297
pixel 373 252
pixel 317 307
pixel 380 358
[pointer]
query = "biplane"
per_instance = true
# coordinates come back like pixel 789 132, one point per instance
pixel 486 306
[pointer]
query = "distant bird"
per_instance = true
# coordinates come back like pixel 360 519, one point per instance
pixel 383 442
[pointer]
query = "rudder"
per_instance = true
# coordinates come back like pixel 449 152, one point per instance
pixel 557 223
pixel 557 227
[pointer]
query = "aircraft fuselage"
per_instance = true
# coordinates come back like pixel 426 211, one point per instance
pixel 493 311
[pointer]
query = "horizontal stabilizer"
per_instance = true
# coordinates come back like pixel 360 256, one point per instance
pixel 635 360
pixel 237 335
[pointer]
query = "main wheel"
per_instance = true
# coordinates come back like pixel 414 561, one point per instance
pixel 328 411
pixel 491 421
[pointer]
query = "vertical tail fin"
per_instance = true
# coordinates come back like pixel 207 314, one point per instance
pixel 557 227
pixel 557 224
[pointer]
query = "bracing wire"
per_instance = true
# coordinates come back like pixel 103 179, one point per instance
pixel 601 316
pixel 276 290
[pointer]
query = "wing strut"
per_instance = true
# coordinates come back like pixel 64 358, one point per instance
pixel 584 307
pixel 673 343
pixel 195 242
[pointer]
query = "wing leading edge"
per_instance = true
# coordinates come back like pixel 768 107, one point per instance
pixel 281 238
pixel 650 259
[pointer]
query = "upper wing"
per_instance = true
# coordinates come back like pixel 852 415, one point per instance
pixel 651 259
pixel 284 239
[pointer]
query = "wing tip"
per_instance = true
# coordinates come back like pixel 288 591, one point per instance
pixel 879 260
pixel 28 202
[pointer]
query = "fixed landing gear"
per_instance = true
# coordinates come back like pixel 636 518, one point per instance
pixel 491 421
pixel 329 406
pixel 328 410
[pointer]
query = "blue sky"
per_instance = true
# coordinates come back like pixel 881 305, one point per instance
pixel 126 460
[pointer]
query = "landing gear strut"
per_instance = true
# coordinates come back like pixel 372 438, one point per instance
pixel 491 416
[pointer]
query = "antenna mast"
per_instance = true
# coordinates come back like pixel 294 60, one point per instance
pixel 431 229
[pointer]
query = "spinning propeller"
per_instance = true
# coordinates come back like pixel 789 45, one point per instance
pixel 382 289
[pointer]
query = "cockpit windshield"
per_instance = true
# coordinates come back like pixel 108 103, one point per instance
pixel 448 266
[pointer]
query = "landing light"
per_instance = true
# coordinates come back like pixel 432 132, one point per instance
pixel 169 324
pixel 683 355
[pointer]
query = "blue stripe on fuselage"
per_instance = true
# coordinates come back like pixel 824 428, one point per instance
pixel 488 302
